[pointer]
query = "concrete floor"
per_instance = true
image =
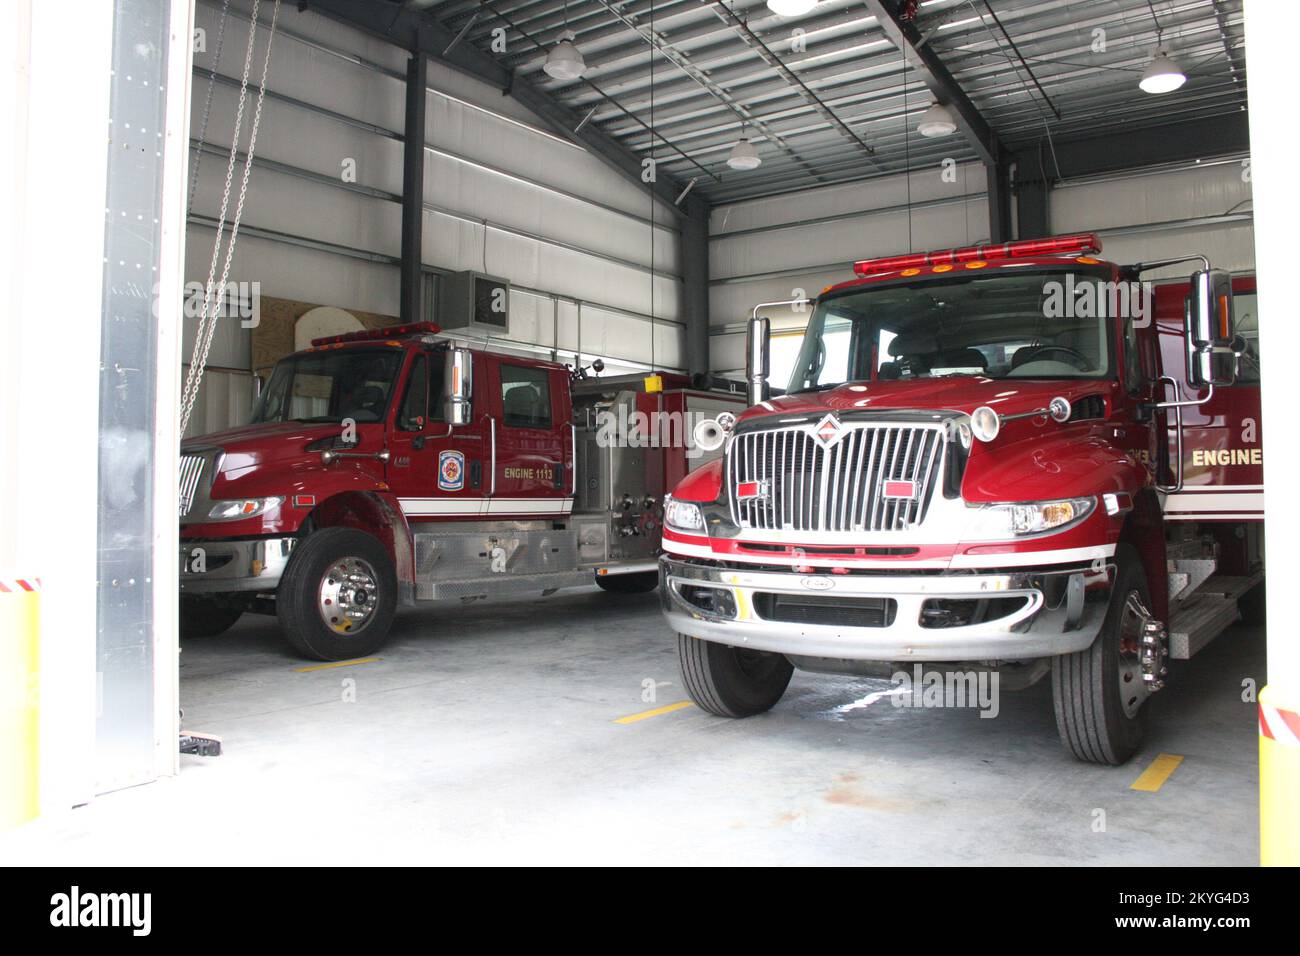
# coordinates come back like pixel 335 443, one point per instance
pixel 487 734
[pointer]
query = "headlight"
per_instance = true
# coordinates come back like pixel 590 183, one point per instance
pixel 999 522
pixel 985 423
pixel 683 516
pixel 242 508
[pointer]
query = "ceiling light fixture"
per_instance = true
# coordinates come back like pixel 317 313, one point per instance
pixel 744 155
pixel 937 121
pixel 1162 74
pixel 790 8
pixel 565 61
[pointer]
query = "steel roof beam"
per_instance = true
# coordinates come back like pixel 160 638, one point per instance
pixel 765 53
pixel 408 28
pixel 645 30
pixel 937 78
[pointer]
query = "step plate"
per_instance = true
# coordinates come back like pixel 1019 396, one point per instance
pixel 1200 620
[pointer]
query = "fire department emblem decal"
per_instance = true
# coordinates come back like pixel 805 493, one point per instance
pixel 828 431
pixel 451 471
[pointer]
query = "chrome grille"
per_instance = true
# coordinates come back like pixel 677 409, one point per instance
pixel 805 486
pixel 191 471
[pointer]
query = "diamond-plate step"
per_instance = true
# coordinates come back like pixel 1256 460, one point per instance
pixel 1199 620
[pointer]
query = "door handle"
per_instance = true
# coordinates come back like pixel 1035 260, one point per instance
pixel 418 442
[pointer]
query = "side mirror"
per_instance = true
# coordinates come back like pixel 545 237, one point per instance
pixel 758 361
pixel 458 387
pixel 1210 331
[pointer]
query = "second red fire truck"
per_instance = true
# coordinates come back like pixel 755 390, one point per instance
pixel 394 466
pixel 1017 459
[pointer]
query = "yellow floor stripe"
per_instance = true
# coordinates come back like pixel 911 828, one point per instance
pixel 1154 776
pixel 667 709
pixel 325 667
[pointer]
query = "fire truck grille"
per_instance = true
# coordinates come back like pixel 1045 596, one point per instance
pixel 191 471
pixel 874 478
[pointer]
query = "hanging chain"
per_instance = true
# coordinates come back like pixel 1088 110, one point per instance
pixel 207 105
pixel 208 319
pixel 189 392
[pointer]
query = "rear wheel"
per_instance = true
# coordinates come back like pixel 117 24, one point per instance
pixel 1099 693
pixel 639 583
pixel 731 681
pixel 338 595
pixel 203 617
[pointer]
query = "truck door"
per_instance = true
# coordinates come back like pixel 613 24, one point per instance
pixel 1223 443
pixel 531 433
pixel 436 471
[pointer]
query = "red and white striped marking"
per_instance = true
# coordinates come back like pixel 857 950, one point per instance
pixel 18 585
pixel 1280 725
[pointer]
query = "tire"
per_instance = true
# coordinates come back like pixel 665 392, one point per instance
pixel 1099 723
pixel 201 617
pixel 638 583
pixel 731 681
pixel 314 587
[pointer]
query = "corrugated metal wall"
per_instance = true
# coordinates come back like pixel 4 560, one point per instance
pixel 1159 214
pixel 777 248
pixel 322 221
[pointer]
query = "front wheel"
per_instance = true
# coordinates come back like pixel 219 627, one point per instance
pixel 731 681
pixel 338 595
pixel 1099 693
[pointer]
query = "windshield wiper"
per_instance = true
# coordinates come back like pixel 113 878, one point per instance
pixel 816 388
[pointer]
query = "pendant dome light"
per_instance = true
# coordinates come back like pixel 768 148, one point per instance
pixel 937 121
pixel 790 8
pixel 565 61
pixel 744 155
pixel 1162 74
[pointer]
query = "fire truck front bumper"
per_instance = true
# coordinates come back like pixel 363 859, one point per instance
pixel 1015 615
pixel 219 567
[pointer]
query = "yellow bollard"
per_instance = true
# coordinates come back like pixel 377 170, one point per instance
pixel 20 604
pixel 1279 780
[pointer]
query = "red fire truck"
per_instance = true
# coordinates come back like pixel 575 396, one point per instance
pixel 392 466
pixel 1013 460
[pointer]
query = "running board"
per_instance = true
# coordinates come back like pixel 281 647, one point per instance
pixel 1208 613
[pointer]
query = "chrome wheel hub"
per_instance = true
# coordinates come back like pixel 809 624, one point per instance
pixel 1143 651
pixel 348 596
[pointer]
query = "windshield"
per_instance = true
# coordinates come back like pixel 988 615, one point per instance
pixel 1002 325
pixel 327 387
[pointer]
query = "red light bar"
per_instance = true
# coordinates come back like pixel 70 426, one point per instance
pixel 391 332
pixel 1082 244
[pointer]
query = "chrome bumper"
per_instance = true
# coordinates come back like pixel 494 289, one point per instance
pixel 216 567
pixel 1040 627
